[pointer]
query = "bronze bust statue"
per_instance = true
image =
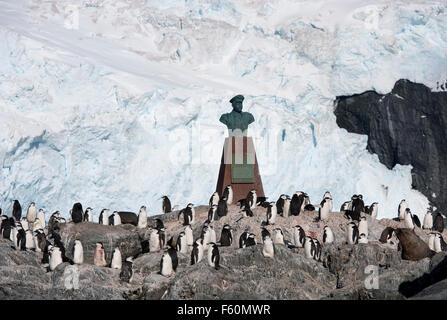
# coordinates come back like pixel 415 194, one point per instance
pixel 237 121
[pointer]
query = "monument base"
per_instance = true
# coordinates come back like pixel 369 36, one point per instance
pixel 239 155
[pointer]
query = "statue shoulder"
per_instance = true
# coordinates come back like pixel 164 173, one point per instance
pixel 249 117
pixel 224 118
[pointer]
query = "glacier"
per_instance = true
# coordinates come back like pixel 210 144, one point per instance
pixel 116 103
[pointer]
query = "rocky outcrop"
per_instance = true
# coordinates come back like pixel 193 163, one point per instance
pixel 244 273
pixel 406 126
pixel 124 237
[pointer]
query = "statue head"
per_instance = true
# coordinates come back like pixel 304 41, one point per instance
pixel 236 102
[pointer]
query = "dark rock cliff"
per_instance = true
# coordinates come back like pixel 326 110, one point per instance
pixel 406 126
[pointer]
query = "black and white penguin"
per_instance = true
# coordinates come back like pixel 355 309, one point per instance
pixel 279 236
pixel 358 205
pixel 363 226
pixel 323 211
pixel 154 240
pixel 438 223
pixel 187 215
pixel 251 240
pixel 166 205
pixel 243 239
pixel 416 220
pixel 77 213
pixel 280 204
pixel 328 235
pixel 251 199
pixel 222 208
pixel 228 194
pixel 212 213
pixel 318 249
pixel 181 245
pixel 78 252
pixel 408 219
pixel 271 213
pixel 104 217
pixel 88 215
pixel 14 232
pixel 31 214
pixel 352 233
pixel 40 240
pixel 197 251
pixel 428 221
pixel 55 257
pixel 309 248
pixel 117 261
pixel 214 256
pixel 296 203
pixel 115 219
pixel 439 243
pixel 189 236
pixel 299 236
pixel 268 248
pixel 401 209
pixel 327 194
pixel 226 237
pixel 373 210
pixel 126 270
pixel 265 233
pixel 20 241
pixel 16 210
pixel 352 215
pixel 214 200
pixel 142 217
pixel 7 226
pixel 193 212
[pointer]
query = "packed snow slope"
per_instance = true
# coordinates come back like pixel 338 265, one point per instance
pixel 116 103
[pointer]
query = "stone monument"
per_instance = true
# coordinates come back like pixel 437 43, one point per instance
pixel 239 165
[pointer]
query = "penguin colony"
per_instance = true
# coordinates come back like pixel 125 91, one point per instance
pixel 32 233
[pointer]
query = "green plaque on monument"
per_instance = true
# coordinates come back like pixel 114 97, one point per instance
pixel 243 172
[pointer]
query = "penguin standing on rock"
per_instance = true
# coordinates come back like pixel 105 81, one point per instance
pixel 40 240
pixel 169 262
pixel 328 235
pixel 214 256
pixel 251 199
pixel 268 249
pixel 271 213
pixel 439 243
pixel 363 226
pixel 114 219
pixel 373 210
pixel 88 215
pixel 16 210
pixel 197 251
pixel 247 211
pixel 142 218
pixel 323 211
pixel 243 239
pixel 265 233
pixel 20 242
pixel 126 270
pixel 401 210
pixel 31 214
pixel 228 194
pixel 104 217
pixel 182 247
pixel 189 236
pixel 280 204
pixel 251 240
pixel 296 203
pixel 154 240
pixel 55 257
pixel 408 219
pixel 222 208
pixel 226 237
pixel 117 262
pixel 428 221
pixel 279 236
pixel 166 205
pixel 214 200
pixel 77 213
pixel 78 252
pixel 352 233
pixel 212 213
pixel 29 239
pixel 317 254
pixel 299 236
pixel 309 248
